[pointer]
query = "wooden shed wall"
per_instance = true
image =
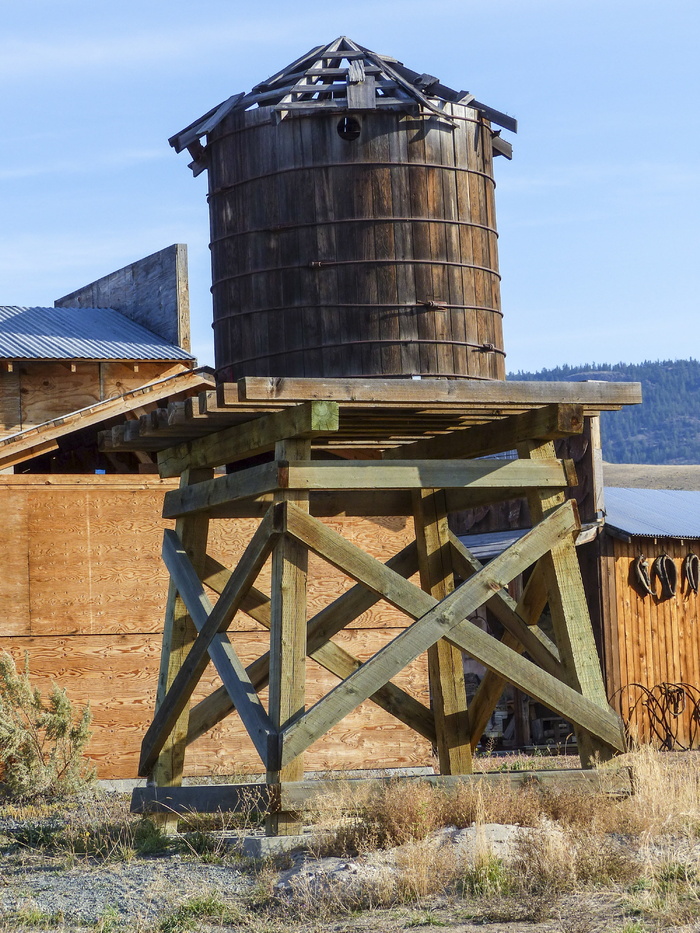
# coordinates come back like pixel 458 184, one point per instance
pixel 83 592
pixel 38 391
pixel 648 640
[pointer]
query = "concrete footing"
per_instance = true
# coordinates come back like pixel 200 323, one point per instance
pixel 267 846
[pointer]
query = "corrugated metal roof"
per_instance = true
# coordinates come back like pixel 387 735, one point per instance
pixel 653 513
pixel 491 543
pixel 79 334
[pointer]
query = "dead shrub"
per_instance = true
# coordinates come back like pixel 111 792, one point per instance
pixel 545 862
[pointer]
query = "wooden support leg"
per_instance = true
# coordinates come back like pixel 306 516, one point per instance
pixel 446 672
pixel 288 637
pixel 570 617
pixel 178 635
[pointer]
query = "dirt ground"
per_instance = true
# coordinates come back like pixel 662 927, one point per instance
pixel 411 857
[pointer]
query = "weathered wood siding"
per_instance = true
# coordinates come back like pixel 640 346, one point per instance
pixel 35 392
pixel 351 257
pixel 648 640
pixel 153 292
pixel 83 591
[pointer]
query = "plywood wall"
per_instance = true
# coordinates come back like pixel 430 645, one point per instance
pixel 649 640
pixel 83 592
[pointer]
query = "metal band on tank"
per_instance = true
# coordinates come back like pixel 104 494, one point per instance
pixel 482 347
pixel 320 263
pixel 215 192
pixel 275 228
pixel 429 305
pixel 221 377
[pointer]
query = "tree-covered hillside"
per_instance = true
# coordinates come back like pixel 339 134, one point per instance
pixel 665 428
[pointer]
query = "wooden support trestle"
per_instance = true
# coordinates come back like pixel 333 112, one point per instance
pixel 304 435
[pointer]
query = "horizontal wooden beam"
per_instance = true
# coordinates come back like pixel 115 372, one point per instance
pixel 202 497
pixel 209 623
pixel 548 423
pixel 364 502
pixel 479 476
pixel 433 392
pixel 298 795
pixel 250 438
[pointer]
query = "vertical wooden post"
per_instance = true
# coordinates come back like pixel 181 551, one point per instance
pixel 445 669
pixel 288 636
pixel 597 466
pixel 178 635
pixel 570 617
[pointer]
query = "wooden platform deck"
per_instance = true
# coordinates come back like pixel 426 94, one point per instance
pixel 375 415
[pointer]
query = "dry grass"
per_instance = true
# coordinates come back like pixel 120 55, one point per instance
pixel 643 852
pixel 644 848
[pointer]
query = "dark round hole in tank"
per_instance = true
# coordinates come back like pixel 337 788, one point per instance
pixel 348 128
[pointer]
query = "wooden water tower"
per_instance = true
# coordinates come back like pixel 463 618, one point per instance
pixel 353 244
pixel 353 226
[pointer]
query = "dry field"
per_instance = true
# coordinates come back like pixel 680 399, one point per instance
pixel 404 858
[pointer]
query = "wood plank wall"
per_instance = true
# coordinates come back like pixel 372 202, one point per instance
pixel 83 592
pixel 35 392
pixel 648 640
pixel 153 292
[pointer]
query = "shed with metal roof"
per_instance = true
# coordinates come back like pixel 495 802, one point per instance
pixel 653 513
pixel 79 334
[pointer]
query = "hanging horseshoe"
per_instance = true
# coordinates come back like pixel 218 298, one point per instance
pixel 691 571
pixel 641 574
pixel 665 570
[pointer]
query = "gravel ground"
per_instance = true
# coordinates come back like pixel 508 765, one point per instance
pixel 138 891
pixel 141 894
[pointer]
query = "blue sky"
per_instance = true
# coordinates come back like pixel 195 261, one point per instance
pixel 598 212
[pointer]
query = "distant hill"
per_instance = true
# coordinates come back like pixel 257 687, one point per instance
pixel 665 428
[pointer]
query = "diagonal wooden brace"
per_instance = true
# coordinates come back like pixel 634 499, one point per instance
pixel 326 623
pixel 530 607
pixel 209 622
pixel 435 620
pixel 540 648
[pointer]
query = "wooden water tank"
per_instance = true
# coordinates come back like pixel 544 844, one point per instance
pixel 354 233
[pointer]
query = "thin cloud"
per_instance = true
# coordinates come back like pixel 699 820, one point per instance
pixel 96 163
pixel 22 57
pixel 663 175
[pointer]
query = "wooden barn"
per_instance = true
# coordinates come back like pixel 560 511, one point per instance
pixel 72 590
pixel 650 611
